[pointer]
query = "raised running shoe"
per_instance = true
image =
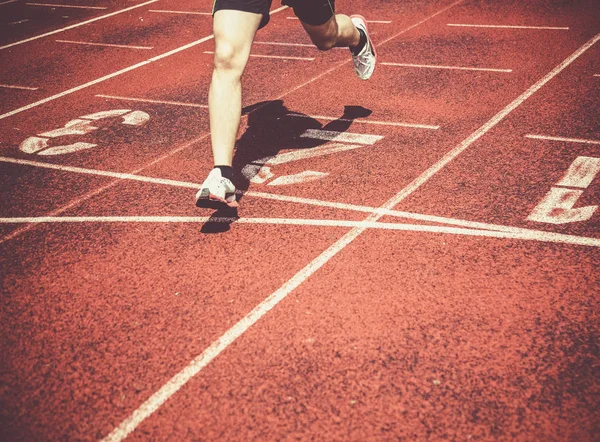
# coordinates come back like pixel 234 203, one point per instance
pixel 364 62
pixel 216 192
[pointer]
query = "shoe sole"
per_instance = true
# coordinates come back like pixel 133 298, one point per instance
pixel 209 201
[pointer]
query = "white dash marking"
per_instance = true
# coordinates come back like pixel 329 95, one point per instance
pixel 596 75
pixel 274 56
pixel 53 5
pixel 567 140
pixel 581 173
pixel 19 22
pixel 348 137
pixel 77 25
pixel 164 11
pixel 429 66
pixel 464 25
pixel 148 100
pixel 6 3
pixel 359 120
pixel 368 21
pixel 281 43
pixel 88 43
pixel 302 177
pixel 12 86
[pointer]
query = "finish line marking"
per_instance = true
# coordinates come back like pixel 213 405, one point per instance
pixel 522 235
pixel 567 140
pixel 428 66
pixel 464 25
pixel 87 43
pixel 77 25
pixel 148 100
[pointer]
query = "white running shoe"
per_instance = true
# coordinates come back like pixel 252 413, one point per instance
pixel 216 192
pixel 364 62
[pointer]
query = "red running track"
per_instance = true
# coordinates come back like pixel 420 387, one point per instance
pixel 436 279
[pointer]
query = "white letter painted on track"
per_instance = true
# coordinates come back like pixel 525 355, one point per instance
pixel 581 173
pixel 557 208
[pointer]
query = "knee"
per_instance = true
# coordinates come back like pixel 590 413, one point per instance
pixel 228 59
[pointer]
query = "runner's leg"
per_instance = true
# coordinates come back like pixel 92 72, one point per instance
pixel 234 32
pixel 339 31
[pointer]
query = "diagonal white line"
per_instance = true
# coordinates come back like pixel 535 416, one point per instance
pixel 76 25
pixel 53 5
pixel 7 2
pixel 508 26
pixel 431 66
pixel 568 140
pixel 148 100
pixel 11 86
pixel 110 45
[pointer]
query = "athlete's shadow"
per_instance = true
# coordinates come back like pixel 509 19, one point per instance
pixel 271 128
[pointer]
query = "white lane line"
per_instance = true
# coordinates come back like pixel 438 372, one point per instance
pixel 464 25
pixel 281 43
pixel 12 86
pixel 359 120
pixel 540 235
pixel 274 56
pixel 567 140
pixel 596 75
pixel 6 3
pixel 531 236
pixel 106 77
pixel 77 25
pixel 164 11
pixel 451 155
pixel 368 21
pixel 18 22
pixel 88 43
pixel 53 5
pixel 429 66
pixel 348 137
pixel 148 100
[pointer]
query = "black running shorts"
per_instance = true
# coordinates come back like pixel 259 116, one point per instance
pixel 312 12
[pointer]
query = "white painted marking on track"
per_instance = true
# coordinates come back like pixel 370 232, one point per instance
pixel 362 121
pixel 148 100
pixel 581 173
pixel 567 140
pixel 430 66
pixel 539 235
pixel 596 75
pixel 464 25
pixel 348 137
pixel 77 25
pixel 19 22
pixel 557 208
pixel 368 21
pixel 451 155
pixel 164 11
pixel 282 43
pixel 302 177
pixel 591 242
pixel 7 2
pixel 54 5
pixel 281 57
pixel 12 86
pixel 89 43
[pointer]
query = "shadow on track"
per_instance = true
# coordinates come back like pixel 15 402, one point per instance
pixel 272 127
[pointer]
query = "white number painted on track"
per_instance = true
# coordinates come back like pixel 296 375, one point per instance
pixel 557 205
pixel 40 145
pixel 259 171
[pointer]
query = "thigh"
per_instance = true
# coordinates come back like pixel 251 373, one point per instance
pixel 234 32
